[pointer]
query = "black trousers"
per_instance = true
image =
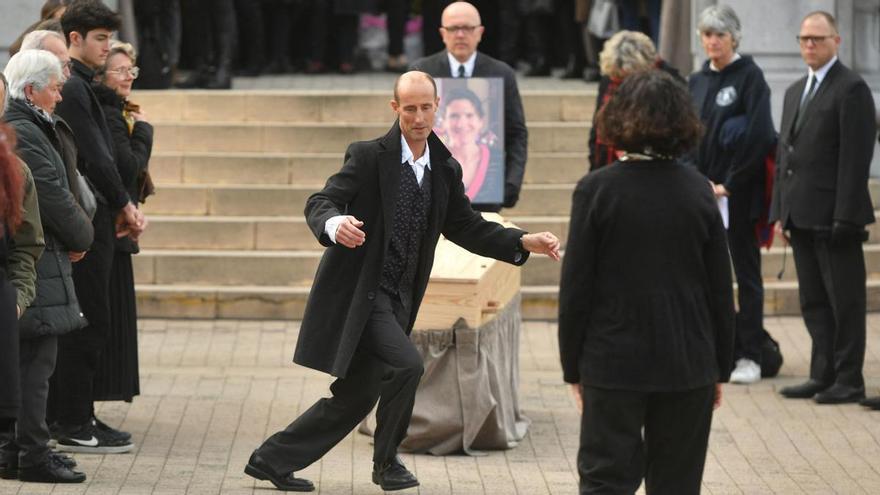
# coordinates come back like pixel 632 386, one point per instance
pixel 746 256
pixel 831 282
pixel 10 390
pixel 71 389
pixel 386 367
pixel 615 455
pixel 31 440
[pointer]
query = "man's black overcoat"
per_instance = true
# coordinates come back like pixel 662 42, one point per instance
pixel 347 280
pixel 822 170
pixel 516 135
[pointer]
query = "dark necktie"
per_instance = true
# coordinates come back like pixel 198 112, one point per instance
pixel 461 71
pixel 811 88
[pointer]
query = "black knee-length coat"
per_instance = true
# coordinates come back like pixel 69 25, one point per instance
pixel 347 279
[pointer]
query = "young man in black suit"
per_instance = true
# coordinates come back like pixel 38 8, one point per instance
pixel 380 218
pixel 88 27
pixel 821 198
pixel 461 31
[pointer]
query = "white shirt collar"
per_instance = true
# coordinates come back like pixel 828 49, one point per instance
pixel 468 64
pixel 736 56
pixel 822 72
pixel 406 156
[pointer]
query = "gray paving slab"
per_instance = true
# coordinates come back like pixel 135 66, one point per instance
pixel 213 390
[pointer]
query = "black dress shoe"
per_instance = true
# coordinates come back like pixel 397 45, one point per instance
pixel 51 471
pixel 805 390
pixel 8 464
pixel 840 394
pixel 393 476
pixel 257 468
pixel 871 403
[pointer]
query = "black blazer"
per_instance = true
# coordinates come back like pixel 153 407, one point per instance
pixel 347 280
pixel 822 170
pixel 516 135
pixel 645 297
pixel 82 111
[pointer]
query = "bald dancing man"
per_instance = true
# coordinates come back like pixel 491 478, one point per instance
pixel 380 218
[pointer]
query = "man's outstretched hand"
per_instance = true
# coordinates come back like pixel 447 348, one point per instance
pixel 542 243
pixel 349 233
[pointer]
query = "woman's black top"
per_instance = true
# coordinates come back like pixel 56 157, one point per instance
pixel 646 298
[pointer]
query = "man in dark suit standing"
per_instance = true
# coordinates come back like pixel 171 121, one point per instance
pixel 461 31
pixel 821 198
pixel 380 218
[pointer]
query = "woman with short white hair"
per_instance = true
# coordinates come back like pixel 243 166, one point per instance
pixel 35 80
pixel 733 101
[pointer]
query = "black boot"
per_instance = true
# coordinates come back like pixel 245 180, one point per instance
pixel 393 475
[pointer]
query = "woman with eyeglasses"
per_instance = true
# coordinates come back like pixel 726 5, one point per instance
pixel 733 101
pixel 35 79
pixel 117 374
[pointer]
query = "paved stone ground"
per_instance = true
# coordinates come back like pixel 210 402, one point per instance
pixel 212 390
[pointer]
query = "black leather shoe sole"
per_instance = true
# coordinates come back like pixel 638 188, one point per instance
pixel 826 398
pixel 803 391
pixel 392 486
pixel 255 472
pixel 42 476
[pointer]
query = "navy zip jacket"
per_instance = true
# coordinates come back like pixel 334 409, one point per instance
pixel 734 106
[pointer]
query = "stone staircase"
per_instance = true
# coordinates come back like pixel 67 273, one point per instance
pixel 227 237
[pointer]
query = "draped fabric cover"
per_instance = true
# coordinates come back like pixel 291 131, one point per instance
pixel 468 399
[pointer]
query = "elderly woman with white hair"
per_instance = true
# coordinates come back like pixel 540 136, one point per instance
pixel 625 53
pixel 733 101
pixel 35 78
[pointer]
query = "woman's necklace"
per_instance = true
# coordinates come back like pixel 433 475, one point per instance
pixel 647 155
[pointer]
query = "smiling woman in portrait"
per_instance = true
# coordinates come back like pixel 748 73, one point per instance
pixel 464 130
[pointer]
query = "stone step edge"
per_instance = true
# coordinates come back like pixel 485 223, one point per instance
pixel 331 125
pixel 307 253
pixel 588 90
pixel 539 302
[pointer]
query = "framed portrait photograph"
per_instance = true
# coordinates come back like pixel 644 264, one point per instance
pixel 470 121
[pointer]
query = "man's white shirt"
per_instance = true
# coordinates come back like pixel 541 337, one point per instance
pixel 468 64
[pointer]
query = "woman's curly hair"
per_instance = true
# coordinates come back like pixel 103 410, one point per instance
pixel 650 113
pixel 11 181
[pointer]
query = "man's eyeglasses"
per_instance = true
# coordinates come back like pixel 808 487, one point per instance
pixel 812 39
pixel 67 65
pixel 122 72
pixel 460 29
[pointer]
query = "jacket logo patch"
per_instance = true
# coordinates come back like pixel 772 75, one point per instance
pixel 726 96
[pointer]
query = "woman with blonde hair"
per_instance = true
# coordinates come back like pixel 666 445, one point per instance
pixel 117 374
pixel 625 53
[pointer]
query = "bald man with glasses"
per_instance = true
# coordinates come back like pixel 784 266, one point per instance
pixel 462 30
pixel 821 199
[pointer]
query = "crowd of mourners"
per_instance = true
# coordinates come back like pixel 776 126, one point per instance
pixel 73 163
pixel 647 330
pixel 204 43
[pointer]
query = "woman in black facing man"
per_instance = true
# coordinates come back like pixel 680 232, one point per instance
pixel 646 300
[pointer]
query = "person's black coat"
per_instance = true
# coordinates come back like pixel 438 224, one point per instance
pixel 516 135
pixel 645 297
pixel 822 170
pixel 345 285
pixel 55 309
pixel 734 106
pixel 131 151
pixel 82 111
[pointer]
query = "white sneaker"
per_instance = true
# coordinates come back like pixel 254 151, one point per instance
pixel 746 371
